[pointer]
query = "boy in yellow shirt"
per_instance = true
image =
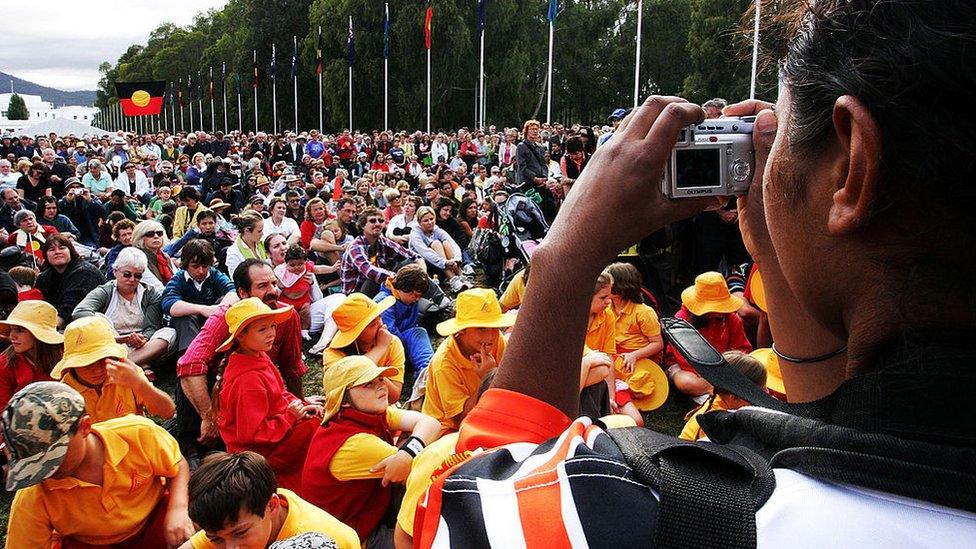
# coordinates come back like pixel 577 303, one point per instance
pixel 473 347
pixel 111 384
pixel 235 499
pixel 90 484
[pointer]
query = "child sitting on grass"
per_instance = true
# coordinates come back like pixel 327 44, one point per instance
pixel 254 410
pixel 353 461
pixel 749 366
pixel 293 279
pixel 236 501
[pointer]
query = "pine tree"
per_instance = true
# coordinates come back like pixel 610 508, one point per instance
pixel 17 110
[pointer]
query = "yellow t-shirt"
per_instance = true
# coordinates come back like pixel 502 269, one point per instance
pixel 113 400
pixel 302 517
pixel 362 451
pixel 692 431
pixel 393 358
pixel 424 465
pixel 138 454
pixel 600 334
pixel 452 379
pixel 636 324
pixel 514 293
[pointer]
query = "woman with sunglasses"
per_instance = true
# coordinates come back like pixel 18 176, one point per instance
pixel 35 183
pixel 133 307
pixel 150 237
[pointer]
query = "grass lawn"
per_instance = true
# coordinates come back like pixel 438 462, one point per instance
pixel 667 419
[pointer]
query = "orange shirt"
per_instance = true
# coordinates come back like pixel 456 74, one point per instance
pixel 601 333
pixel 138 455
pixel 692 431
pixel 452 380
pixel 636 325
pixel 111 402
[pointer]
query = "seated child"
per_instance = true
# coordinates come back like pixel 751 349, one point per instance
pixel 473 346
pixel 362 332
pixel 749 366
pixel 408 286
pixel 25 277
pixel 254 410
pixel 84 483
pixel 638 340
pixel 353 461
pixel 35 346
pixel 599 348
pixel 98 368
pixel 235 499
pixel 711 309
pixel 293 277
pixel 162 195
pixel 515 291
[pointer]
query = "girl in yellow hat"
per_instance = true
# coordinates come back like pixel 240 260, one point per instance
pixel 253 409
pixel 711 309
pixel 35 347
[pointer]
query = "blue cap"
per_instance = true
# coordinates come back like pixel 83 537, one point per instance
pixel 618 114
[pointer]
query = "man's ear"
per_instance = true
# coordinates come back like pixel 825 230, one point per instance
pixel 859 137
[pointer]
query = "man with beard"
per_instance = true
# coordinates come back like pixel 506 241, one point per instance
pixel 195 426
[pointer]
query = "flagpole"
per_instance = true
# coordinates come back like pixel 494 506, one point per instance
pixel 223 75
pixel 319 68
pixel 172 112
pixel 552 28
pixel 350 73
pixel 480 121
pixel 294 70
pixel 213 119
pixel 755 51
pixel 274 90
pixel 640 18
pixel 428 90
pixel 240 123
pixel 386 68
pixel 182 122
pixel 200 87
pixel 254 85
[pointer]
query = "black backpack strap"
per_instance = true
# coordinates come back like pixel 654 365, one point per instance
pixel 709 494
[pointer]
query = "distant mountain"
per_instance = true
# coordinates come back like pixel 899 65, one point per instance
pixel 85 98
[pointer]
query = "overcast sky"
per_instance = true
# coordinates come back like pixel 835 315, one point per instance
pixel 60 43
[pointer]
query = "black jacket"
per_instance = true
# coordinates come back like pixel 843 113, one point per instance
pixel 66 290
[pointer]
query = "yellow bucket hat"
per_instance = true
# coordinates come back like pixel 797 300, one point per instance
pixel 247 311
pixel 710 294
pixel 774 378
pixel 476 308
pixel 353 315
pixel 39 318
pixel 86 341
pixel 758 291
pixel 348 372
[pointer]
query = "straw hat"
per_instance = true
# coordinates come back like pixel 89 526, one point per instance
pixel 476 308
pixel 37 317
pixel 353 315
pixel 347 372
pixel 86 341
pixel 218 204
pixel 710 294
pixel 758 291
pixel 774 378
pixel 247 311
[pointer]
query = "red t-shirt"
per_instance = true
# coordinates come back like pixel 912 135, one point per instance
pixel 727 335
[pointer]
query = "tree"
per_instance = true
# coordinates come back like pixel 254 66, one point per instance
pixel 17 110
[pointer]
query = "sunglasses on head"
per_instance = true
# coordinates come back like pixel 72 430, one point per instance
pixel 127 274
pixel 154 233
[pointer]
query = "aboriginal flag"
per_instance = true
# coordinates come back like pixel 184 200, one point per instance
pixel 141 98
pixel 427 23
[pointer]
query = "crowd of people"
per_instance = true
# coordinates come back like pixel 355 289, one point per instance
pixel 445 411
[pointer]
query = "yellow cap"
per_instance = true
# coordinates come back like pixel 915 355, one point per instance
pixel 347 372
pixel 246 311
pixel 86 341
pixel 758 290
pixel 476 308
pixel 774 378
pixel 353 315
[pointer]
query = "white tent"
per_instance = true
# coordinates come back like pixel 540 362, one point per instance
pixel 62 127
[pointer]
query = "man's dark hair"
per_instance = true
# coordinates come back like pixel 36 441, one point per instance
pixel 343 201
pixel 226 484
pixel 370 211
pixel 574 144
pixel 242 274
pixel 198 251
pixel 190 193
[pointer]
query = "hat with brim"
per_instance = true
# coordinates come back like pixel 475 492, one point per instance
pixel 37 426
pixel 774 377
pixel 86 341
pixel 347 372
pixel 476 308
pixel 218 204
pixel 710 294
pixel 757 290
pixel 249 310
pixel 353 315
pixel 37 317
pixel 641 377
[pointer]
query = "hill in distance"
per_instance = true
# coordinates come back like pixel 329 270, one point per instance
pixel 84 98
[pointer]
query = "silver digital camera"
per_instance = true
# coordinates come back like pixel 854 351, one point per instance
pixel 711 158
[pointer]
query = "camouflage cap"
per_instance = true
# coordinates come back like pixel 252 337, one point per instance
pixel 36 425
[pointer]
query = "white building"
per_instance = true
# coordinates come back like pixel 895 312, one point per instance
pixel 41 111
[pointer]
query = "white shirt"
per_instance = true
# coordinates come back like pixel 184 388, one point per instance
pixel 438 150
pixel 142 183
pixel 287 228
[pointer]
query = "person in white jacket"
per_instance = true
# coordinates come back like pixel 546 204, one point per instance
pixel 134 182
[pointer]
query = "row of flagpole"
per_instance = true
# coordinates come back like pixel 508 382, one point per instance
pixel 114 116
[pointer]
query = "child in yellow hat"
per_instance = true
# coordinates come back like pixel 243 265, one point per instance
pixel 748 365
pixel 254 410
pixel 353 460
pixel 98 368
pixel 362 332
pixel 35 347
pixel 638 341
pixel 473 347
